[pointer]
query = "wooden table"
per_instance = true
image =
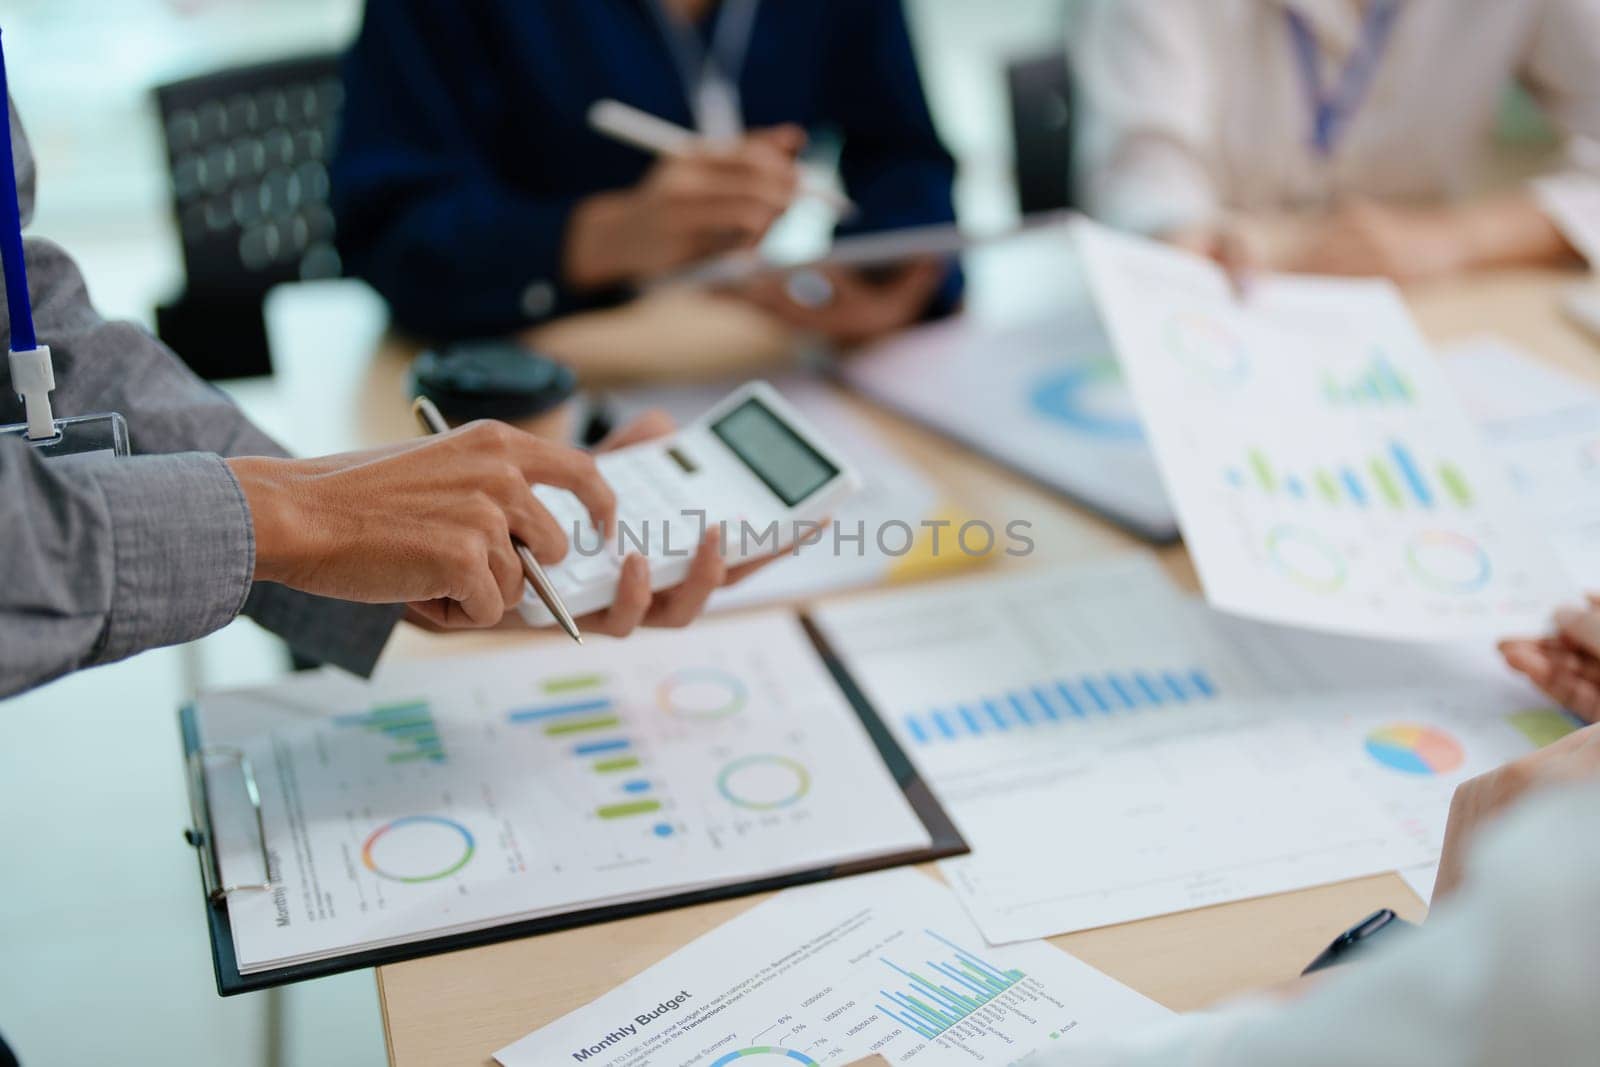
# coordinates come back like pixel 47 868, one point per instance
pixel 456 1009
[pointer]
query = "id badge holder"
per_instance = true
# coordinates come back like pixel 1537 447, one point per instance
pixel 104 435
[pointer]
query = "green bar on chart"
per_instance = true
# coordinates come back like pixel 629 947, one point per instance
pixel 573 683
pixel 581 726
pixel 1455 484
pixel 1387 484
pixel 623 811
pixel 612 766
pixel 1263 470
pixel 1327 487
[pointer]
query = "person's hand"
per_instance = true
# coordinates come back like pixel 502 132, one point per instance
pixel 1565 665
pixel 635 605
pixel 714 199
pixel 847 306
pixel 1365 238
pixel 427 523
pixel 1479 800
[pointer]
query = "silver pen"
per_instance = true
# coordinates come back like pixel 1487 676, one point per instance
pixel 433 422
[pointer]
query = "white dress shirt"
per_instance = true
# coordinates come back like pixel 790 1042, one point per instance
pixel 1505 973
pixel 1191 108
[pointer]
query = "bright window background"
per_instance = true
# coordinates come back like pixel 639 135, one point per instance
pixel 105 955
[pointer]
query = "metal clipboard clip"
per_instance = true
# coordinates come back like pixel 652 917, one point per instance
pixel 200 835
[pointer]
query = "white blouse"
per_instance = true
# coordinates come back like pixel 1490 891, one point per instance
pixel 1190 108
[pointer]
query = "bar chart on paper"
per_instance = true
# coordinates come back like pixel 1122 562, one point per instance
pixel 1082 698
pixel 409 726
pixel 1392 477
pixel 951 990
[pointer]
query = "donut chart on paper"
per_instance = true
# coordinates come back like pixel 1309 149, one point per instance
pixel 1307 559
pixel 764 782
pixel 1449 562
pixel 1207 349
pixel 418 848
pixel 765 1054
pixel 702 693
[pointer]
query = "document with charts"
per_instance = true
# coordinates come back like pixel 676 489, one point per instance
pixel 457 794
pixel 1112 749
pixel 1321 467
pixel 885 964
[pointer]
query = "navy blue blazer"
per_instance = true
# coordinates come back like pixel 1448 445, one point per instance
pixel 465 143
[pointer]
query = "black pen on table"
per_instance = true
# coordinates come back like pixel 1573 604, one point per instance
pixel 433 422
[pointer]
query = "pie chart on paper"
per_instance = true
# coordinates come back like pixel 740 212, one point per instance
pixel 1415 749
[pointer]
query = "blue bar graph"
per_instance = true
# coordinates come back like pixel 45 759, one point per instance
pixel 929 1002
pixel 1061 701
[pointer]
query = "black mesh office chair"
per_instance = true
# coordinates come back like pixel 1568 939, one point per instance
pixel 247 149
pixel 1042 129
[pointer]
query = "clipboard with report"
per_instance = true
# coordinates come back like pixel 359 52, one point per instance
pixel 343 824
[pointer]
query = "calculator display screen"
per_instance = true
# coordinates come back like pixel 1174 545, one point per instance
pixel 781 458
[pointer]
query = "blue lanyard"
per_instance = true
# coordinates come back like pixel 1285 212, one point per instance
pixel 722 63
pixel 1332 111
pixel 16 267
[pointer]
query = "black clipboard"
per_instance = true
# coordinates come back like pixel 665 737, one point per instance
pixel 946 841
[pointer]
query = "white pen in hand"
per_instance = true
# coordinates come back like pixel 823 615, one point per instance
pixel 648 133
pixel 433 422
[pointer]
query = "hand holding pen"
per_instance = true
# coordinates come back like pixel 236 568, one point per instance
pixel 635 604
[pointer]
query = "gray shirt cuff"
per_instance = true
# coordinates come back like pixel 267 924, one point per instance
pixel 346 635
pixel 183 549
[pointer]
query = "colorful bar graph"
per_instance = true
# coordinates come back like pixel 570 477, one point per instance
pixel 1397 478
pixel 620 763
pixel 931 1001
pixel 409 725
pixel 1060 701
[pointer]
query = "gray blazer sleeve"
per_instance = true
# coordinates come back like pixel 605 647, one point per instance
pixel 145 552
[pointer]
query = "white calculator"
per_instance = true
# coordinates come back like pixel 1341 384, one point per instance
pixel 752 464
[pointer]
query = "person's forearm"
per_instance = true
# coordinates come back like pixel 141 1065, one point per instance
pixel 1510 230
pixel 284 535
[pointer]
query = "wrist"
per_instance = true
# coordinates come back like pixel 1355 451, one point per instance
pixel 269 492
pixel 597 248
